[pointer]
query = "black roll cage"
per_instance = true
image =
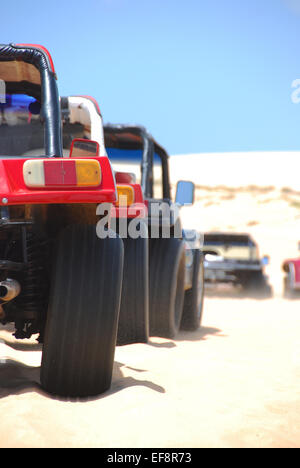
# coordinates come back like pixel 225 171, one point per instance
pixel 149 147
pixel 50 110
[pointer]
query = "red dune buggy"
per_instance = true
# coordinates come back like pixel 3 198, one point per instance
pixel 82 119
pixel 59 280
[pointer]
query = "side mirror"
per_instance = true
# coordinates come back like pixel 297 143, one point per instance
pixel 81 148
pixel 185 192
pixel 265 260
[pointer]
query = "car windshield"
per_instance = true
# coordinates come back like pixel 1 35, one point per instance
pixel 129 160
pixel 230 246
pixel 21 126
pixel 126 160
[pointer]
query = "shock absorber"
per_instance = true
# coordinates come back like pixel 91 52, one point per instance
pixel 32 302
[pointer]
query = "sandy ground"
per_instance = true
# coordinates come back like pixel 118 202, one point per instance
pixel 234 383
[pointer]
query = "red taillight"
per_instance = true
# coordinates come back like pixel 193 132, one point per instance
pixel 59 173
pixel 62 173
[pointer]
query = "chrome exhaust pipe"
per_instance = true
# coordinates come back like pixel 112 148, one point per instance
pixel 9 289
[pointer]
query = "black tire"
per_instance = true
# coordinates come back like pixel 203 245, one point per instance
pixel 194 297
pixel 257 286
pixel 288 292
pixel 81 328
pixel 167 277
pixel 134 310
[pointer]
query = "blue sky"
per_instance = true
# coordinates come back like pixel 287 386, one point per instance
pixel 201 75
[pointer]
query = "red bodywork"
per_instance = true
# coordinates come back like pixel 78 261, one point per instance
pixel 13 190
pixel 293 266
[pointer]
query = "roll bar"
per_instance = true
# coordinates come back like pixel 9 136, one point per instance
pixel 149 147
pixel 50 111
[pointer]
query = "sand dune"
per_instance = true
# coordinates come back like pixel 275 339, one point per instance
pixel 279 169
pixel 259 195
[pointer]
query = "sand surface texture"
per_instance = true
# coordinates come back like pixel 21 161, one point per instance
pixel 233 383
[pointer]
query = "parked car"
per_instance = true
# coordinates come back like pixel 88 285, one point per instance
pixel 176 274
pixel 291 267
pixel 234 258
pixel 58 279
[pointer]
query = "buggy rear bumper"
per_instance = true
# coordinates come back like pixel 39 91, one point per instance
pixel 13 190
pixel 232 266
pixel 223 271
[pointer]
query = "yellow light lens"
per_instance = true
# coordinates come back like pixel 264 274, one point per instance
pixel 88 172
pixel 125 195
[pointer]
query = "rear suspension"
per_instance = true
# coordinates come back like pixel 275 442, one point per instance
pixel 26 260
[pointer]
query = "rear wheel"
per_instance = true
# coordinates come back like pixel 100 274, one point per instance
pixel 257 286
pixel 167 277
pixel 82 317
pixel 288 291
pixel 194 297
pixel 134 310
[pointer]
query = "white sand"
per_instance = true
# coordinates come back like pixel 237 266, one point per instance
pixel 234 383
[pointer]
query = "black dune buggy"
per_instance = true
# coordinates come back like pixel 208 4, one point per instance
pixel 234 258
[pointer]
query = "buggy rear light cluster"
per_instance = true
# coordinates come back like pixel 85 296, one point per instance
pixel 62 173
pixel 125 195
